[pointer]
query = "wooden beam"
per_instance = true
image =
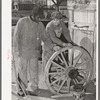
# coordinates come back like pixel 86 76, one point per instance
pixel 54 2
pixel 57 3
pixel 60 1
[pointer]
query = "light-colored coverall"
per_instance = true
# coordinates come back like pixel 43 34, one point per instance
pixel 54 33
pixel 27 41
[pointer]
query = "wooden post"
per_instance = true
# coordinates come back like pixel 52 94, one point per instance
pixel 57 3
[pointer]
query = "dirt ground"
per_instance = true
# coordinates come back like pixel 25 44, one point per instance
pixel 43 91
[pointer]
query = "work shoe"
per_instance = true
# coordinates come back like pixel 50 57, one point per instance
pixel 31 93
pixel 20 93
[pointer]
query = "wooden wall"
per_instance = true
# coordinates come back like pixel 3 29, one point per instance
pixel 84 37
pixel 83 15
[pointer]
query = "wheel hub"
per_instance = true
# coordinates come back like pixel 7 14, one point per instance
pixel 73 73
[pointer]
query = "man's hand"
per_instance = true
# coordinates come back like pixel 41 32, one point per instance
pixel 74 44
pixel 70 45
pixel 56 48
pixel 67 45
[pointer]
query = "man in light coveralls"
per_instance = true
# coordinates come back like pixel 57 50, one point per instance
pixel 28 34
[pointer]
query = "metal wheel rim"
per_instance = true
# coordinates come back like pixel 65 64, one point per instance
pixel 48 66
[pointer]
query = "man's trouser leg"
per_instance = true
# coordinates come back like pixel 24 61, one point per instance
pixel 23 65
pixel 45 57
pixel 33 73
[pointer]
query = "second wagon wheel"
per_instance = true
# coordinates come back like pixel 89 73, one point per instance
pixel 68 67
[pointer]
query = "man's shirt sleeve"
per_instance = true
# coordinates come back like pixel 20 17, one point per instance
pixel 16 36
pixel 45 37
pixel 66 32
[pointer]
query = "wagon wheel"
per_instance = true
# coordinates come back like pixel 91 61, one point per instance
pixel 68 67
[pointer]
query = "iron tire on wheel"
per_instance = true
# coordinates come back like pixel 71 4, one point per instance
pixel 68 67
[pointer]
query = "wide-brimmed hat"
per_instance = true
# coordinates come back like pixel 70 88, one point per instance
pixel 56 14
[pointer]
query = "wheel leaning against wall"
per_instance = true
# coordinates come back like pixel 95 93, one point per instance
pixel 68 67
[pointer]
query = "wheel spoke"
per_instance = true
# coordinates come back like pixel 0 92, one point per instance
pixel 59 82
pixel 58 65
pixel 68 83
pixel 60 59
pixel 55 81
pixel 55 67
pixel 64 60
pixel 83 79
pixel 61 85
pixel 53 76
pixel 55 73
pixel 77 59
pixel 85 74
pixel 71 55
pixel 74 81
pixel 81 64
pixel 84 70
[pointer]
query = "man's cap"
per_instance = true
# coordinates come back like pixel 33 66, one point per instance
pixel 56 14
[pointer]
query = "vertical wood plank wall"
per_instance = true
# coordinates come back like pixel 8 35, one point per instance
pixel 87 39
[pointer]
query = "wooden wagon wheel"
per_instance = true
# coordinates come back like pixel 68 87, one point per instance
pixel 68 67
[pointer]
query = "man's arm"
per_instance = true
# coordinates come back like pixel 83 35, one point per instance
pixel 52 35
pixel 16 36
pixel 45 37
pixel 66 32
